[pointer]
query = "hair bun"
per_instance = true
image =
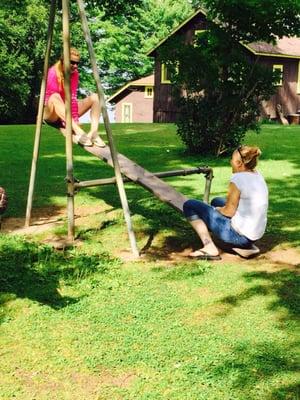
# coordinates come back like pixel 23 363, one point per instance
pixel 257 152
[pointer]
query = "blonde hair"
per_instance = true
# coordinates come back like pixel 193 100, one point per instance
pixel 59 67
pixel 249 155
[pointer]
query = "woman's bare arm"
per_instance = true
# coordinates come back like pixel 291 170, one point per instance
pixel 232 202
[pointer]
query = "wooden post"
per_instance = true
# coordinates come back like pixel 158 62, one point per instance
pixel 69 143
pixel 39 120
pixel 100 92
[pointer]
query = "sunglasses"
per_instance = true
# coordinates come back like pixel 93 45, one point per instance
pixel 239 150
pixel 74 62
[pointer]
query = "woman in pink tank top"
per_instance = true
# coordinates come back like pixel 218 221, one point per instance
pixel 54 108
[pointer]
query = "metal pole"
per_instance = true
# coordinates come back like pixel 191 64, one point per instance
pixel 165 174
pixel 100 92
pixel 209 177
pixel 39 120
pixel 69 143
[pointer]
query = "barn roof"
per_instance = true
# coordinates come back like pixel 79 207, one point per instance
pixel 145 81
pixel 285 47
pixel 200 11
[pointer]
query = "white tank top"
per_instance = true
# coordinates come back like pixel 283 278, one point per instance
pixel 250 218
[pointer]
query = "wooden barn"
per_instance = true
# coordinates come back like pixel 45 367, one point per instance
pixel 284 56
pixel 134 101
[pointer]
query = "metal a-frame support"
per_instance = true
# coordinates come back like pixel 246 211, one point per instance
pixel 69 144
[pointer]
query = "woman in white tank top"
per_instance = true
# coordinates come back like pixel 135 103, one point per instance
pixel 238 220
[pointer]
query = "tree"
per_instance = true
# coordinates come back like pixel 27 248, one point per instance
pixel 121 42
pixel 21 51
pixel 218 86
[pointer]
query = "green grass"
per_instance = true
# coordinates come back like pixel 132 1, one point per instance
pixel 81 324
pixel 156 148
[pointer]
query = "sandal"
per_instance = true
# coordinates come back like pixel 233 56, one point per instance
pixel 83 139
pixel 203 255
pixel 247 253
pixel 96 140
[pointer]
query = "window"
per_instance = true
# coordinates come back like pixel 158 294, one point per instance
pixel 199 31
pixel 278 68
pixel 165 76
pixel 298 85
pixel 197 34
pixel 127 112
pixel 148 92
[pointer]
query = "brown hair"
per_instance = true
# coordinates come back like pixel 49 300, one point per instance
pixel 249 155
pixel 59 67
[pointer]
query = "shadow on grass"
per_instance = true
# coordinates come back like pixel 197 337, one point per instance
pixel 289 392
pixel 284 285
pixel 265 358
pixel 34 271
pixel 249 368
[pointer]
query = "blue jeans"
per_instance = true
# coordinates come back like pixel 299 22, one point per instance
pixel 217 224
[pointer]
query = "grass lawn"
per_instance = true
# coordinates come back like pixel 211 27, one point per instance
pixel 83 324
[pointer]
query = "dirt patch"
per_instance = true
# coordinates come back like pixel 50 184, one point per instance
pixel 274 259
pixel 47 218
pixel 290 256
pixel 42 219
pixel 104 378
pixel 82 385
pixel 209 312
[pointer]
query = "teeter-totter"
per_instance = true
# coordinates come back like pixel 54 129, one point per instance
pixel 124 168
pixel 150 181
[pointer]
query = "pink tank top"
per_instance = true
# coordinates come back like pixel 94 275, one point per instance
pixel 52 86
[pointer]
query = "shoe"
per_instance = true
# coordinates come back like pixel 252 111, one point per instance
pixel 83 139
pixel 99 142
pixel 203 255
pixel 96 139
pixel 247 253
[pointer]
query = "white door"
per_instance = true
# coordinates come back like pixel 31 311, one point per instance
pixel 127 112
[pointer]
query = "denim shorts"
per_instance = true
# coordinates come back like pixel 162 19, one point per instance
pixel 217 224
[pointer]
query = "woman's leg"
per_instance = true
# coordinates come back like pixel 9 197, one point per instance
pixel 92 103
pixel 198 214
pixel 218 202
pixel 55 109
pixel 215 222
pixel 208 245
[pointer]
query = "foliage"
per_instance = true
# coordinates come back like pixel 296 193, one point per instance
pixel 114 8
pixel 22 33
pixel 218 85
pixel 121 42
pixel 253 20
